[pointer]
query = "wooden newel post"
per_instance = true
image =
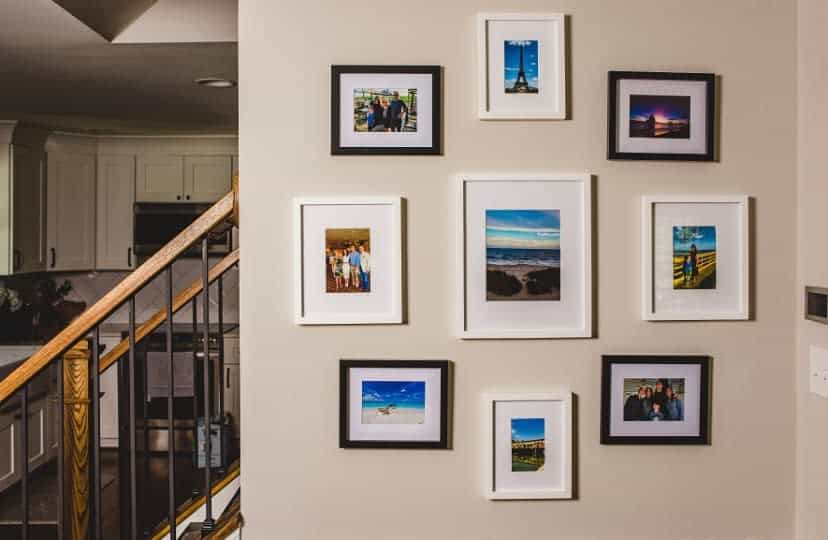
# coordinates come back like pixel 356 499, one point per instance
pixel 76 441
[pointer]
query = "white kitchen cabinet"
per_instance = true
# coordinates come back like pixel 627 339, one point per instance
pixel 70 212
pixel 159 178
pixel 29 203
pixel 207 178
pixel 116 195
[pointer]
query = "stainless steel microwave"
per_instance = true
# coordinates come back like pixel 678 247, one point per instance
pixel 155 224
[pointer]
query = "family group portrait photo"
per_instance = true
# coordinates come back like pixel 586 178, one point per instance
pixel 653 400
pixel 694 257
pixel 523 255
pixel 392 110
pixel 348 260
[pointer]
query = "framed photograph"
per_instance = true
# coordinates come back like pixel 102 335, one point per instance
pixel 695 257
pixel 393 403
pixel 385 110
pixel 655 400
pixel 666 116
pixel 522 66
pixel 524 256
pixel 348 260
pixel 528 445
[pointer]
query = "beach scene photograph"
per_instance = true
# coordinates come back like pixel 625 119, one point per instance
pixel 385 110
pixel 393 402
pixel 520 65
pixel 528 444
pixel 694 257
pixel 523 255
pixel 663 117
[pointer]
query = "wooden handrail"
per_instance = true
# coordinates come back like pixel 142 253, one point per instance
pixel 127 288
pixel 181 300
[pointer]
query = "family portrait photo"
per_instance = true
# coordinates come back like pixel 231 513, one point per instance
pixel 666 117
pixel 348 260
pixel 694 257
pixel 528 444
pixel 393 402
pixel 653 400
pixel 520 59
pixel 523 255
pixel 391 110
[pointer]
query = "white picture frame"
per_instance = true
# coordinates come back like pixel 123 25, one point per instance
pixel 568 318
pixel 499 483
pixel 549 103
pixel 731 298
pixel 386 306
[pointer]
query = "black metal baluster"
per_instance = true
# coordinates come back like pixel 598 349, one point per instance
pixel 220 292
pixel 208 524
pixel 60 461
pixel 24 461
pixel 97 517
pixel 195 369
pixel 170 407
pixel 133 469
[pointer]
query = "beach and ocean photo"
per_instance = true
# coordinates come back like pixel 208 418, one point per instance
pixel 348 260
pixel 694 257
pixel 393 402
pixel 523 255
pixel 379 110
pixel 520 65
pixel 664 117
pixel 528 444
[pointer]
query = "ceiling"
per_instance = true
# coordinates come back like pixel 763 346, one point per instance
pixel 59 72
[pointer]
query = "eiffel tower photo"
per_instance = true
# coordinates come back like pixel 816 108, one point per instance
pixel 516 51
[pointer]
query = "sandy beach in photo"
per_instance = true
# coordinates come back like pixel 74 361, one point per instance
pixel 521 273
pixel 394 416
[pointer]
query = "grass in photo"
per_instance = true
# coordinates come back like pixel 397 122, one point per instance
pixel 653 400
pixel 348 260
pixel 393 402
pixel 664 117
pixel 523 255
pixel 520 65
pixel 388 110
pixel 528 444
pixel 694 257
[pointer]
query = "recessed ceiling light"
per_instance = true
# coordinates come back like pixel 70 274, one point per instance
pixel 216 82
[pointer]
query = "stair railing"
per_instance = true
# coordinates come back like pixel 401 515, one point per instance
pixel 76 353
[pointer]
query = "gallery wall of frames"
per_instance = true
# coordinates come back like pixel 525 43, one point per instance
pixel 524 264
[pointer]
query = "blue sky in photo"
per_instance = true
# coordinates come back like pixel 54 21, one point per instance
pixel 704 237
pixel 511 60
pixel 403 394
pixel 523 229
pixel 528 429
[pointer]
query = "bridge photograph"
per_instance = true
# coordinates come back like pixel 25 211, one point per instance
pixel 528 444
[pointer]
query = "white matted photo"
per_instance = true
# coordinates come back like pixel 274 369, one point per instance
pixel 695 257
pixel 522 66
pixel 529 445
pixel 524 256
pixel 348 260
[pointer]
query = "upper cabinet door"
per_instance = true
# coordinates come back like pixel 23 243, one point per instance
pixel 70 212
pixel 159 178
pixel 29 237
pixel 207 178
pixel 116 195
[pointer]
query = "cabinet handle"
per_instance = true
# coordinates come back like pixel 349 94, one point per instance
pixel 17 263
pixel 54 257
pixel 129 257
pixel 188 197
pixel 178 197
pixel 227 378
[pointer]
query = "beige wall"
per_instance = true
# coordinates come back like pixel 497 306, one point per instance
pixel 299 485
pixel 812 411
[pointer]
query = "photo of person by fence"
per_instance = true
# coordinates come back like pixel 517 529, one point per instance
pixel 653 400
pixel 391 110
pixel 694 257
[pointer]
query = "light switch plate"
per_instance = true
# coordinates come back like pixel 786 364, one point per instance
pixel 818 373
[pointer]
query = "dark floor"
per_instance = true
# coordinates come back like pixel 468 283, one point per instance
pixel 152 496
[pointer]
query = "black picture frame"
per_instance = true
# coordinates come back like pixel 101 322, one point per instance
pixel 345 367
pixel 703 438
pixel 436 121
pixel 612 117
